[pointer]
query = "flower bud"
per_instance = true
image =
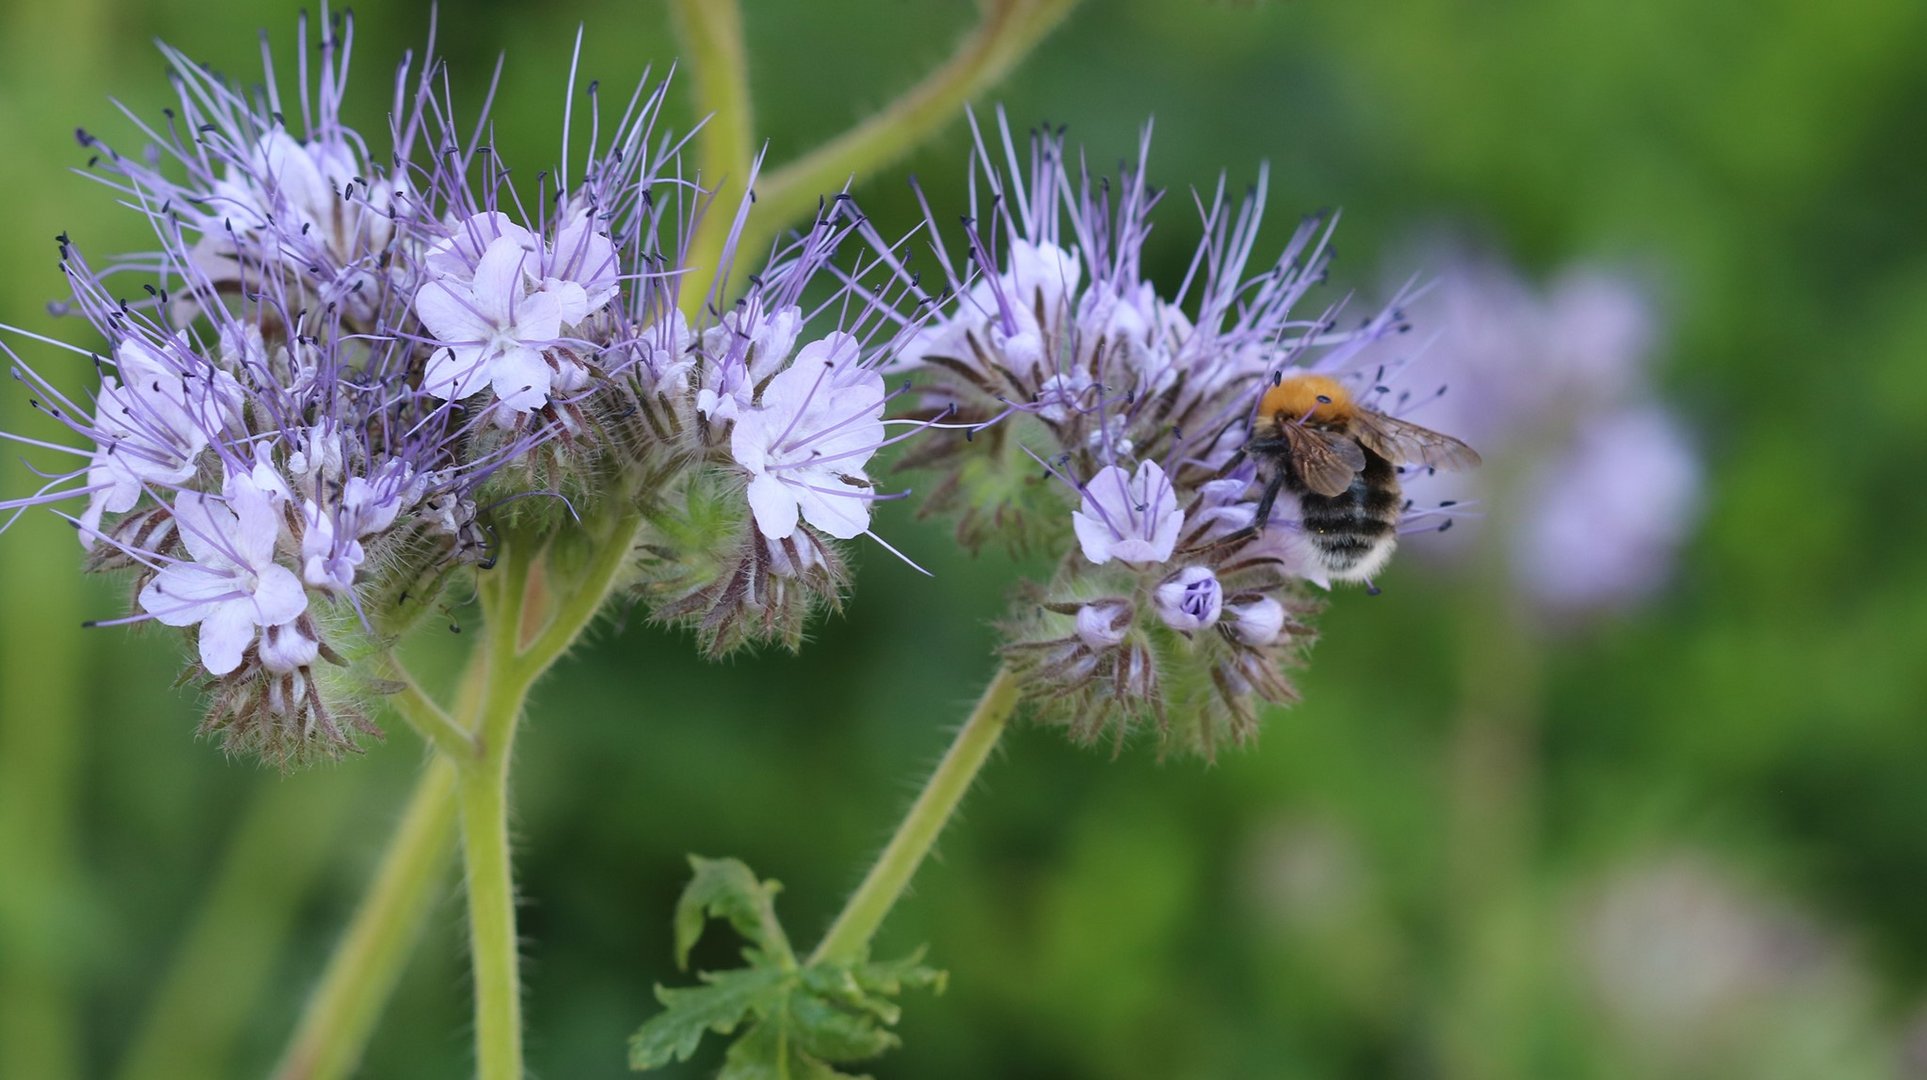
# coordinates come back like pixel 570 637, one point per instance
pixel 1189 600
pixel 1103 625
pixel 1258 622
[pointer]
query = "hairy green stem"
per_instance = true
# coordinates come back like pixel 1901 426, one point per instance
pixel 533 617
pixel 482 795
pixel 361 975
pixel 711 33
pixel 1007 32
pixel 712 37
pixel 429 719
pixel 481 798
pixel 849 937
pixel 341 1013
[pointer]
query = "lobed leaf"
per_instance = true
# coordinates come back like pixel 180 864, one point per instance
pixel 720 1005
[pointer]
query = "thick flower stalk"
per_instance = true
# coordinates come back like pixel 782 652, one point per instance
pixel 1127 413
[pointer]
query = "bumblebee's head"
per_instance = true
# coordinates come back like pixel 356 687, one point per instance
pixel 1312 399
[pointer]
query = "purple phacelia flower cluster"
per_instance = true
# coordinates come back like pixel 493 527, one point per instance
pixel 1122 415
pixel 343 370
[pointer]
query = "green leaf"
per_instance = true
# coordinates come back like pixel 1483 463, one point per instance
pixel 727 889
pixel 768 1052
pixel 892 977
pixel 725 999
pixel 801 1022
pixel 835 1031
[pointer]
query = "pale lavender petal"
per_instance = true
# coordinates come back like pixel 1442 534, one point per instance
pixel 279 597
pixel 185 593
pixel 455 373
pixel 774 505
pixel 840 516
pixel 226 634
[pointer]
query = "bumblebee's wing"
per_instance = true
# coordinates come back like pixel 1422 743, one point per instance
pixel 1404 443
pixel 1326 463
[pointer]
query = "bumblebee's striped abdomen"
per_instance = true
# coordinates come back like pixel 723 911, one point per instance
pixel 1354 531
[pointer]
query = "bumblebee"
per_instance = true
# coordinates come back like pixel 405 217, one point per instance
pixel 1341 461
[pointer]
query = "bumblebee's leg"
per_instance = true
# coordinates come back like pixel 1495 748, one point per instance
pixel 1224 471
pixel 1262 516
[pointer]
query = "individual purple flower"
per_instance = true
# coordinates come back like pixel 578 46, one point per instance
pixel 806 442
pixel 309 204
pixel 1609 515
pixel 492 330
pixel 286 649
pixel 1190 600
pixel 1600 476
pixel 232 588
pixel 747 345
pixel 334 528
pixel 1131 517
pixel 151 425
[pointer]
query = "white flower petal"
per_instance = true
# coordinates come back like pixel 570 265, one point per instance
pixel 521 378
pixel 840 516
pixel 185 593
pixel 279 597
pixel 455 373
pixel 226 633
pixel 1093 536
pixel 448 309
pixel 205 525
pixel 774 505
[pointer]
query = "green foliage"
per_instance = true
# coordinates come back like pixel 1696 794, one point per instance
pixel 804 1020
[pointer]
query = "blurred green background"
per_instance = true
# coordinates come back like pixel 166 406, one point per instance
pixel 1689 840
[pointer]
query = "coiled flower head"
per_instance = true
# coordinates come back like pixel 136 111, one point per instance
pixel 1120 417
pixel 343 371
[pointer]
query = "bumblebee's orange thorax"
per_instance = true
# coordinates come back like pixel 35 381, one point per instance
pixel 1314 399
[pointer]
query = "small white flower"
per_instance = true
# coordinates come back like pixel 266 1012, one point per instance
pixel 1258 622
pixel 1134 519
pixel 1138 331
pixel 582 270
pixel 299 187
pixel 331 550
pixel 151 425
pixel 233 587
pixel 492 329
pixel 740 352
pixel 1039 277
pixel 1191 599
pixel 805 445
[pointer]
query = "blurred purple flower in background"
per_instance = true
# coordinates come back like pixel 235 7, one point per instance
pixel 1592 478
